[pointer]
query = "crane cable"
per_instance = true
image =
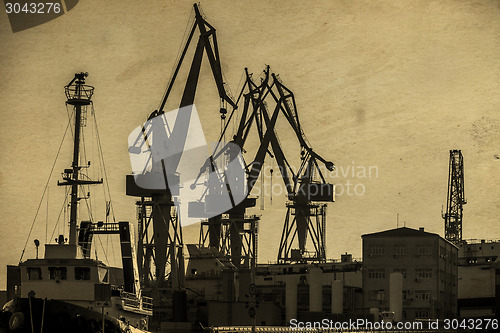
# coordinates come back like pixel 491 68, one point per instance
pixel 185 38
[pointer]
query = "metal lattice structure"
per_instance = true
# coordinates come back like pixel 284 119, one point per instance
pixel 306 189
pixel 301 221
pixel 236 238
pixel 456 198
pixel 159 254
pixel 160 243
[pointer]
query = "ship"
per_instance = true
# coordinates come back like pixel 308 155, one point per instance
pixel 67 290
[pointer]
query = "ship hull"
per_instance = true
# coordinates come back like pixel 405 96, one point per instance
pixel 35 315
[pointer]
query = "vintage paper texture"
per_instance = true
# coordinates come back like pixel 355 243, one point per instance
pixel 389 84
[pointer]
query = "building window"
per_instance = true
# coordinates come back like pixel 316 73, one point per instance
pixel 34 273
pixel 376 273
pixel 376 295
pixel 377 250
pixel 82 273
pixel 423 250
pixel 423 273
pixel 57 273
pixel 422 314
pixel 442 252
pixel 372 295
pixel 423 295
pixel 400 250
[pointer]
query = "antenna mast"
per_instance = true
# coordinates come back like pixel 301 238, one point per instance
pixel 78 94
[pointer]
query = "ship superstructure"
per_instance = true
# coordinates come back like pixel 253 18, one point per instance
pixel 67 289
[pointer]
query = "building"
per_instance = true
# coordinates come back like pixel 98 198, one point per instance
pixel 302 291
pixel 472 252
pixel 479 279
pixel 428 266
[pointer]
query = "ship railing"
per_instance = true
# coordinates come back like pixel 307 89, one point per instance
pixel 204 275
pixel 147 303
pixel 131 301
pixel 473 241
pixel 105 228
pixel 79 92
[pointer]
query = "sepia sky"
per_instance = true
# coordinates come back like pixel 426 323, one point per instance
pixel 392 85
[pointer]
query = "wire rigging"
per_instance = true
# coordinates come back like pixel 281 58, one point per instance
pixel 105 173
pixel 44 191
pixel 63 209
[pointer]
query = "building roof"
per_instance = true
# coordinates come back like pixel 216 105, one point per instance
pixel 402 232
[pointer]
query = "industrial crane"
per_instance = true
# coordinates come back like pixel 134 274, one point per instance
pixel 160 246
pixel 232 232
pixel 456 198
pixel 305 214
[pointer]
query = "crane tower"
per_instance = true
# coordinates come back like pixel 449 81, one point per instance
pixel 456 198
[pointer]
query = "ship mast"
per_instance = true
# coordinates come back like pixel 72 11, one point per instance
pixel 79 95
